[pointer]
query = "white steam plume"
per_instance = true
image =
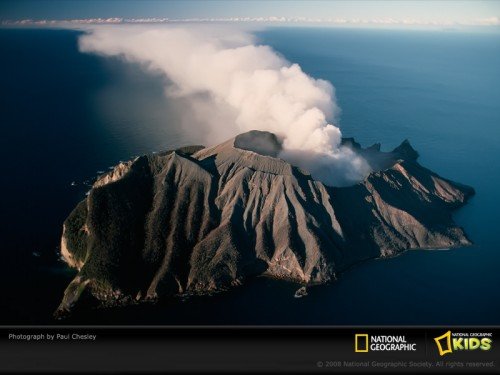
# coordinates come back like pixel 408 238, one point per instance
pixel 234 85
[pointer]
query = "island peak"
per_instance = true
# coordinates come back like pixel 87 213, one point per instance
pixel 203 219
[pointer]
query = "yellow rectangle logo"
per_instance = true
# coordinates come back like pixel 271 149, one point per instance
pixel 361 343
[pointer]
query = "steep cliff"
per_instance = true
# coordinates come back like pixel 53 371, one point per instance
pixel 200 219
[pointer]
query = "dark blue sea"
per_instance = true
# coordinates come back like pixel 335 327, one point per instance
pixel 65 115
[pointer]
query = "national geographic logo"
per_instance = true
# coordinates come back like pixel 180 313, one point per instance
pixel 363 343
pixel 459 341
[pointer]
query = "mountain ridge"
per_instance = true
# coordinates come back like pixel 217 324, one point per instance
pixel 202 219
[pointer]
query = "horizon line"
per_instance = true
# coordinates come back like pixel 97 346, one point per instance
pixel 387 21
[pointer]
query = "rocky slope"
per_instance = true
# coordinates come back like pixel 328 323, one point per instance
pixel 201 219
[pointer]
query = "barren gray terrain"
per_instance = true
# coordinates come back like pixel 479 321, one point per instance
pixel 197 220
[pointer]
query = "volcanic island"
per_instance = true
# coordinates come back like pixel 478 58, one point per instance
pixel 197 220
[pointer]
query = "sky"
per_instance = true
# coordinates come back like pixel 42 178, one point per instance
pixel 423 11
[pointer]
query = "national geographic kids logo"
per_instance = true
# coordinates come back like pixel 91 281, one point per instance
pixel 363 343
pixel 460 341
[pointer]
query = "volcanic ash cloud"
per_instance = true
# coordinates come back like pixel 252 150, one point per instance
pixel 232 85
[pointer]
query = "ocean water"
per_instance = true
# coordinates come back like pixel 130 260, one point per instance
pixel 66 115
